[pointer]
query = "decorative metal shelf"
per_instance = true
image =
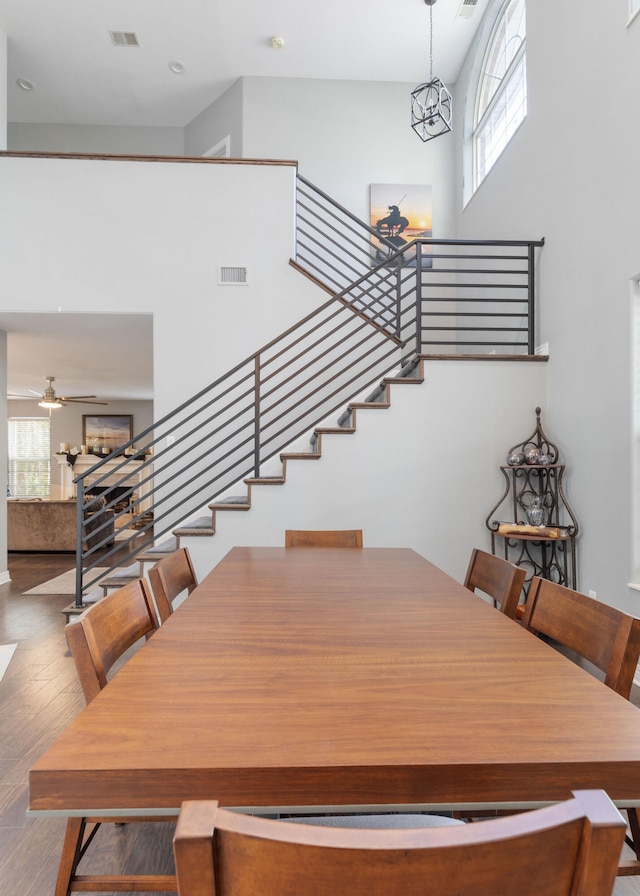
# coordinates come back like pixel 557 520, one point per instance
pixel 534 499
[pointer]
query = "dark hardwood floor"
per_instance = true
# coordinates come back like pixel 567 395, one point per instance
pixel 39 696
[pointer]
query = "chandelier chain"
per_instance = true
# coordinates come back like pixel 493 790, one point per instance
pixel 431 42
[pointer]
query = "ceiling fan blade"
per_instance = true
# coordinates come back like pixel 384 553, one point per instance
pixel 75 397
pixel 83 401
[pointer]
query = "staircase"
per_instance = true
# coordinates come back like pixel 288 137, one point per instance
pixel 388 309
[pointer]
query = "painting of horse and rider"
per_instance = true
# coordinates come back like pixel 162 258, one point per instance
pixel 400 213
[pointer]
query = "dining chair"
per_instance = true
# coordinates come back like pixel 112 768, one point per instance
pixel 98 638
pixel 500 580
pixel 323 538
pixel 604 636
pixel 567 849
pixel 169 577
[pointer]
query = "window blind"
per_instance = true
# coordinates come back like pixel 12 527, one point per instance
pixel 29 457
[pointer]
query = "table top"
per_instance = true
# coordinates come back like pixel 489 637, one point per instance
pixel 320 677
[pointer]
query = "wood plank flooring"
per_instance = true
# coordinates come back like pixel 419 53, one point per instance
pixel 39 696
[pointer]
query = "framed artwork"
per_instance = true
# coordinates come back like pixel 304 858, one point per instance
pixel 104 433
pixel 400 213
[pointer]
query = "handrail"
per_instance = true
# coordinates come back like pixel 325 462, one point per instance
pixel 391 301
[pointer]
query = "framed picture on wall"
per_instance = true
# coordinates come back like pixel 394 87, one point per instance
pixel 400 213
pixel 104 433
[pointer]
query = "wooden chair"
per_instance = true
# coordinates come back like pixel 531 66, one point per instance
pixel 98 638
pixel 169 577
pixel 500 580
pixel 569 849
pixel 323 538
pixel 600 634
pixel 604 636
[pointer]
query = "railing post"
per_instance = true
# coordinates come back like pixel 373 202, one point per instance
pixel 399 262
pixel 418 297
pixel 256 418
pixel 79 523
pixel 531 301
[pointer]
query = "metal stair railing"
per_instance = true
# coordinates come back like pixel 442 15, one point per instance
pixel 470 296
pixel 388 306
pixel 228 431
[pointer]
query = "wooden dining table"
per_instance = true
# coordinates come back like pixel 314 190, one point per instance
pixel 319 677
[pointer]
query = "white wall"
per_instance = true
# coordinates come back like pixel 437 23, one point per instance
pixel 345 136
pixel 219 120
pixel 4 574
pixel 422 474
pixel 571 174
pixel 150 237
pixel 3 89
pixel 95 139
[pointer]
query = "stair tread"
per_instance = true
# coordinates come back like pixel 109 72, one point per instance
pixel 300 455
pixel 359 405
pixel 121 576
pixel 229 505
pixel 201 526
pixel 266 480
pixel 413 380
pixel 157 551
pixel 118 581
pixel 335 429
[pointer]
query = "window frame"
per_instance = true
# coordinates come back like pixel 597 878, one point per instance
pixel 516 67
pixel 39 458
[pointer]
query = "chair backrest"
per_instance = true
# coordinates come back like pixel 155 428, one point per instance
pixel 603 635
pixel 106 630
pixel 568 849
pixel 498 578
pixel 323 538
pixel 169 577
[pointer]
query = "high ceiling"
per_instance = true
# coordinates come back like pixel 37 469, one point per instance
pixel 64 48
pixel 65 51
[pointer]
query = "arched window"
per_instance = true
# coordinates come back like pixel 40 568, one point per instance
pixel 501 100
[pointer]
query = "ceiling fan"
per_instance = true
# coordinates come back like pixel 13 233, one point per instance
pixel 49 399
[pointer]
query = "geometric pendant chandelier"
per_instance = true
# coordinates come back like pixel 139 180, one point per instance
pixel 431 103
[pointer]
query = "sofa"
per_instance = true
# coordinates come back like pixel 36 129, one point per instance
pixel 40 525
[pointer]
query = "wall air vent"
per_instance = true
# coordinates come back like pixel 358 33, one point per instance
pixel 467 9
pixel 124 39
pixel 233 276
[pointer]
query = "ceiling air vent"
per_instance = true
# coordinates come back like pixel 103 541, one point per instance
pixel 467 8
pixel 124 39
pixel 233 276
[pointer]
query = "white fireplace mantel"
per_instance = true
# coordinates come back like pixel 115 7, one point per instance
pixel 84 462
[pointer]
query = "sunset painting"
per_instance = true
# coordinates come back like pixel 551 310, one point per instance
pixel 401 213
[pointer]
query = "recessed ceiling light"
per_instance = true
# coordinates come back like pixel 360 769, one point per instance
pixel 177 67
pixel 24 84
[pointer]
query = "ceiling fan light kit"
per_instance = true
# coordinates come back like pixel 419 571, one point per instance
pixel 51 400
